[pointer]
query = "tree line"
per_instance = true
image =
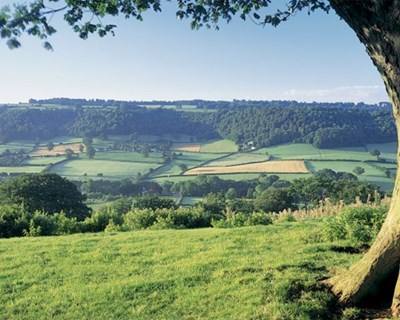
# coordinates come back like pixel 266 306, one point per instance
pixel 324 127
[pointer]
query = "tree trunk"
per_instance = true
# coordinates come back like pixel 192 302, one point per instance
pixel 377 25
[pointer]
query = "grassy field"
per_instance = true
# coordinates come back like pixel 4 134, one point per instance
pixel 388 150
pixel 43 161
pixel 307 151
pixel 220 146
pixel 345 166
pixel 173 168
pixel 129 156
pixel 22 169
pixel 246 273
pixel 109 169
pixel 197 156
pixel 16 146
pixel 238 158
pixel 289 166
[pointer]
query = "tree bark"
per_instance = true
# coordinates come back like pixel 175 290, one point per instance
pixel 377 25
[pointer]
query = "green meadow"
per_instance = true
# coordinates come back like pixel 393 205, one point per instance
pixel 267 272
pixel 106 168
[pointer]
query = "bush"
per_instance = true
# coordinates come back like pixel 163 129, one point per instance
pixel 41 224
pixel 359 225
pixel 166 218
pixel 139 219
pixel 235 220
pixel 13 221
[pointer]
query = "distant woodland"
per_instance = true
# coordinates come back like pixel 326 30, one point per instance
pixel 258 123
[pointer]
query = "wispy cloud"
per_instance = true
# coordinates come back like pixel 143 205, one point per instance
pixel 358 93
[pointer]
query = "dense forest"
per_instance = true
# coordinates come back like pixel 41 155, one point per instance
pixel 248 123
pixel 322 127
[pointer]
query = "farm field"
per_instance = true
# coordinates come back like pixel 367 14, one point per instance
pixel 16 146
pixel 238 158
pixel 220 146
pixel 129 156
pixel 173 168
pixel 308 152
pixel 243 273
pixel 289 166
pixel 106 169
pixel 388 150
pixel 187 147
pixel 220 158
pixel 22 169
pixel 58 150
pixel 43 161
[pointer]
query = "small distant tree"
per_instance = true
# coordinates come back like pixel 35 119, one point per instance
pixel 376 153
pixel 50 146
pixel 87 140
pixel 359 171
pixel 90 151
pixel 69 153
pixel 183 167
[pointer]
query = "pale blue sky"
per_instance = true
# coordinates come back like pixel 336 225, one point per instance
pixel 310 58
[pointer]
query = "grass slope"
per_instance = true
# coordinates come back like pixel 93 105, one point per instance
pixel 247 273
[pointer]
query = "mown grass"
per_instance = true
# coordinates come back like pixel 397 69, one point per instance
pixel 269 272
pixel 220 146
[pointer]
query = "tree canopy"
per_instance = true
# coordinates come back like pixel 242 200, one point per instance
pixel 86 17
pixel 49 193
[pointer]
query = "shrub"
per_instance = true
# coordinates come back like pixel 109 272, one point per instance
pixel 259 218
pixel 13 221
pixel 99 220
pixel 154 203
pixel 139 219
pixel 360 225
pixel 235 220
pixel 41 224
pixel 166 218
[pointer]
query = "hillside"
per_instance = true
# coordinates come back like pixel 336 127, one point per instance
pixel 267 272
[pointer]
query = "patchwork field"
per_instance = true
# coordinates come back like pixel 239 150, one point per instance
pixel 219 158
pixel 58 150
pixel 289 166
